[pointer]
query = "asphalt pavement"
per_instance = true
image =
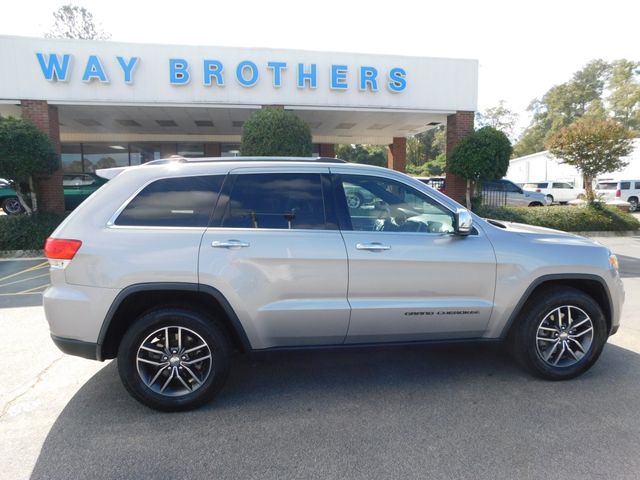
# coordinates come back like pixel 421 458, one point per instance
pixel 455 412
pixel 22 281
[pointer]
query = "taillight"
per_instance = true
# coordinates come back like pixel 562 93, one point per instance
pixel 60 248
pixel 538 190
pixel 618 193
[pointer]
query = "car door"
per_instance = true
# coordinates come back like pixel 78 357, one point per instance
pixel 275 252
pixel 410 277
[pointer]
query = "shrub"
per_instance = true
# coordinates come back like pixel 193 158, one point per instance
pixel 591 218
pixel 275 132
pixel 27 232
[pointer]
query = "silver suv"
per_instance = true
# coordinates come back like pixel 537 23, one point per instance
pixel 173 264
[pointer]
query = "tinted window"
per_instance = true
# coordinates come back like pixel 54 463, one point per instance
pixel 511 187
pixel 277 200
pixel 625 185
pixel 380 204
pixel 174 202
pixel 533 186
pixel 637 185
pixel 607 186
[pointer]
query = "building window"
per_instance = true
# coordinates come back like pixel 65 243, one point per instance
pixel 71 157
pixel 230 150
pixel 98 155
pixel 144 152
pixel 190 149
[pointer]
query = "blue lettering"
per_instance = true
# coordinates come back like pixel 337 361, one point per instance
pixel 51 67
pixel 242 66
pixel 213 68
pixel 94 70
pixel 368 79
pixel 277 72
pixel 179 71
pixel 128 67
pixel 397 80
pixel 304 76
pixel 339 77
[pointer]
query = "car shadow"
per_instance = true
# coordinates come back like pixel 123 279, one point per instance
pixel 464 411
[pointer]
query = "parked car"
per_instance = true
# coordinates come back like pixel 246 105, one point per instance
pixel 628 190
pixel 357 197
pixel 9 198
pixel 438 183
pixel 556 192
pixel 171 266
pixel 76 188
pixel 514 196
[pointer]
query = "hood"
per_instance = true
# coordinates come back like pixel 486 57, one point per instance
pixel 541 233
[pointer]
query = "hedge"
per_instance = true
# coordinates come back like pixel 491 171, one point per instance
pixel 593 218
pixel 27 232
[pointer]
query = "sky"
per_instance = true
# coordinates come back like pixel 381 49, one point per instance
pixel 523 47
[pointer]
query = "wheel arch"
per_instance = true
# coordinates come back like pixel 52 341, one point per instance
pixel 134 300
pixel 592 285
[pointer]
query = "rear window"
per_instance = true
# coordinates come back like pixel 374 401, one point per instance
pixel 276 200
pixel 173 202
pixel 535 185
pixel 607 186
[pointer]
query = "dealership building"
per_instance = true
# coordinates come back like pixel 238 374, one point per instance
pixel 108 104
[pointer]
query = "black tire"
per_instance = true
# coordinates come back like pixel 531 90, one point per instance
pixel 535 204
pixel 633 204
pixel 523 338
pixel 550 199
pixel 12 206
pixel 354 200
pixel 206 329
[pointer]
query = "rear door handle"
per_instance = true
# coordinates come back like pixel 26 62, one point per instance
pixel 372 247
pixel 230 244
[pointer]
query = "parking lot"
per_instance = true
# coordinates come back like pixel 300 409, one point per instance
pixel 419 412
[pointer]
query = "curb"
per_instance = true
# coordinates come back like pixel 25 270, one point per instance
pixel 21 254
pixel 608 233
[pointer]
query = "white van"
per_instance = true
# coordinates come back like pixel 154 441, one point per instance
pixel 628 190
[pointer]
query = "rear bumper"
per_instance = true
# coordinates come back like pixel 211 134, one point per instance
pixel 78 348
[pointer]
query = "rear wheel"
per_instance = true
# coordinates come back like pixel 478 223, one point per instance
pixel 560 335
pixel 633 204
pixel 535 204
pixel 12 206
pixel 174 359
pixel 549 199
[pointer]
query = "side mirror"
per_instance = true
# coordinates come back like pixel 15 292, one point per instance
pixel 464 222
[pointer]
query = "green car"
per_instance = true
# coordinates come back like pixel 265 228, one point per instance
pixel 76 186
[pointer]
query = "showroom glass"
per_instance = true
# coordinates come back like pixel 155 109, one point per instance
pixel 144 152
pixel 103 155
pixel 173 202
pixel 384 205
pixel 230 150
pixel 71 157
pixel 190 150
pixel 276 200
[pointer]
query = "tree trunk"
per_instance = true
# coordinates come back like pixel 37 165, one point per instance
pixel 27 208
pixel 34 198
pixel 588 188
pixel 468 195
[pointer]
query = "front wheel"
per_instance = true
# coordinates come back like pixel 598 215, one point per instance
pixel 549 199
pixel 174 359
pixel 12 206
pixel 560 335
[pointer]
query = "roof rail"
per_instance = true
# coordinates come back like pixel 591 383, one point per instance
pixel 180 159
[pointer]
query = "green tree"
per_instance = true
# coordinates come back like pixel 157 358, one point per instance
pixel 72 21
pixel 25 152
pixel 481 155
pixel 275 132
pixel 368 154
pixel 624 99
pixel 434 141
pixel 593 146
pixel 499 117
pixel 563 104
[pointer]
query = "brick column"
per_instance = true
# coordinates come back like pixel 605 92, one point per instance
pixel 48 187
pixel 327 149
pixel 168 149
pixel 212 150
pixel 458 125
pixel 397 159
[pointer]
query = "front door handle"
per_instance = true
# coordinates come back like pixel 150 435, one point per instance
pixel 372 247
pixel 230 244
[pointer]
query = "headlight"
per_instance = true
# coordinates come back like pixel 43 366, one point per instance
pixel 613 262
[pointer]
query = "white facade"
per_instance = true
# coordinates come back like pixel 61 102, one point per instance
pixel 542 166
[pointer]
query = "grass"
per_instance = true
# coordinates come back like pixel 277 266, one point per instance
pixel 591 218
pixel 27 232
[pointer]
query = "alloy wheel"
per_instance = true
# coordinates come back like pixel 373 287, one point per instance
pixel 174 361
pixel 564 336
pixel 12 206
